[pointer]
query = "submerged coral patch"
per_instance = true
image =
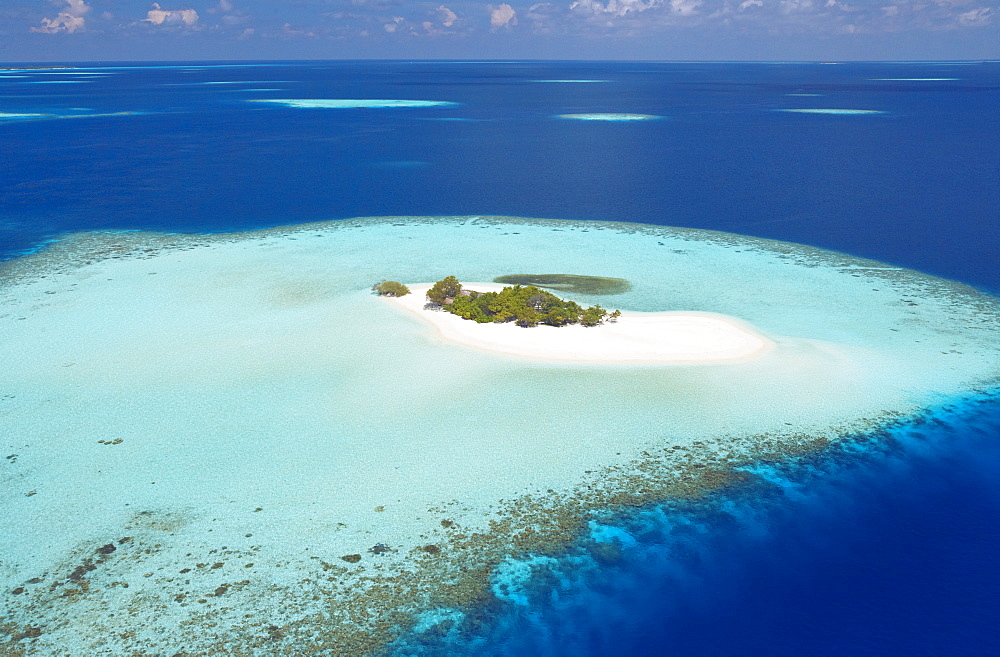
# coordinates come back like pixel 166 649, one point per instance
pixel 569 283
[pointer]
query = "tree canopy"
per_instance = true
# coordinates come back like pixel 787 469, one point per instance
pixel 391 289
pixel 447 288
pixel 525 305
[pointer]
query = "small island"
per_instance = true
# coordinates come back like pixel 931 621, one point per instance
pixel 526 306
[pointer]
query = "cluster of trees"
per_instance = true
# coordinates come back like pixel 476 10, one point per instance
pixel 526 305
pixel 390 289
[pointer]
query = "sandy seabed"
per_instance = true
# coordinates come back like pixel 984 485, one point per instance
pixel 227 445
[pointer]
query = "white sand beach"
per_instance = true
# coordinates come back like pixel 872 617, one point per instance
pixel 666 337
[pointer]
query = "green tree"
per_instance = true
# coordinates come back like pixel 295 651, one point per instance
pixel 391 289
pixel 446 288
pixel 527 316
pixel 592 316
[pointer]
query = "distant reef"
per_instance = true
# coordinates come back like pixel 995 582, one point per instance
pixel 35 68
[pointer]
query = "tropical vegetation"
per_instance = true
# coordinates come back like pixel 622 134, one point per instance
pixel 525 305
pixel 390 289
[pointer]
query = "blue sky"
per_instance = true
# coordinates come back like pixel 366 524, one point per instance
pixel 105 30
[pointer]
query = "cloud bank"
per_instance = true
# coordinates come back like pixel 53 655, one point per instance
pixel 391 21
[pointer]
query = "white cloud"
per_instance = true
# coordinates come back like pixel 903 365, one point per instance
pixel 69 20
pixel 685 7
pixel 980 16
pixel 502 16
pixel 223 7
pixel 448 19
pixel 890 10
pixel 834 4
pixel 620 7
pixel 288 30
pixel 158 16
pixel 449 16
pixel 746 4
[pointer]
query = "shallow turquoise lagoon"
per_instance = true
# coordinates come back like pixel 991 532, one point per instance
pixel 218 434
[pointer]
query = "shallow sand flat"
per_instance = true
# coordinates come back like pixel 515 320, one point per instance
pixel 671 337
pixel 236 413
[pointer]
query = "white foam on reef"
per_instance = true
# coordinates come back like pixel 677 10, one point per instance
pixel 832 111
pixel 340 103
pixel 21 115
pixel 245 412
pixel 568 81
pixel 913 79
pixel 642 338
pixel 610 116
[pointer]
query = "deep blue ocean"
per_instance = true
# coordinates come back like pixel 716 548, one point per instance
pixel 887 550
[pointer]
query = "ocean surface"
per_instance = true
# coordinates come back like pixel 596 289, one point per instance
pixel 891 547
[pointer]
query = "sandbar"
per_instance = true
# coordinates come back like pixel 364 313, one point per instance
pixel 635 337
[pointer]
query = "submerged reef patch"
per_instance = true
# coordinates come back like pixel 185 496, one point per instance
pixel 569 283
pixel 286 475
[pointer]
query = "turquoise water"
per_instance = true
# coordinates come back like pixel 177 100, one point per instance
pixel 244 402
pixel 256 388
